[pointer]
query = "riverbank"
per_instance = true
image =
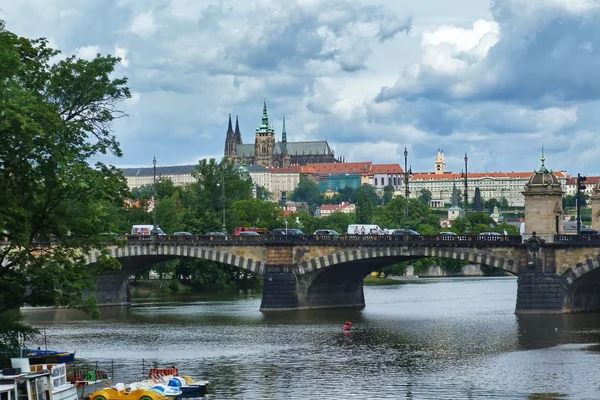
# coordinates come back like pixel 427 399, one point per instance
pixel 151 287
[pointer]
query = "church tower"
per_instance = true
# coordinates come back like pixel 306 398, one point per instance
pixel 440 163
pixel 237 134
pixel 230 141
pixel 285 154
pixel 264 141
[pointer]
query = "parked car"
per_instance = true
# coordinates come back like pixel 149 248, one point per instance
pixel 214 234
pixel 288 232
pixel 182 234
pixel 325 232
pixel 249 233
pixel 448 234
pixel 400 232
pixel 491 236
pixel 587 231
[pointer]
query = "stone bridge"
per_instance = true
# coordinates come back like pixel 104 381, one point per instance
pixel 304 272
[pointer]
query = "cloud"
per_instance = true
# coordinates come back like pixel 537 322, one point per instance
pixel 371 77
pixel 533 51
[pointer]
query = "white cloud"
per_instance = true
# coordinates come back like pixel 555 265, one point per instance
pixel 144 24
pixel 88 52
pixel 496 83
pixel 122 54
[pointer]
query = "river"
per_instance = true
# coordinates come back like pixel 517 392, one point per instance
pixel 445 339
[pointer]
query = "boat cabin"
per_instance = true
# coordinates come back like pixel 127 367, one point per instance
pixel 15 385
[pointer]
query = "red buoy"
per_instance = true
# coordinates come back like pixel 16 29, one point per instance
pixel 347 325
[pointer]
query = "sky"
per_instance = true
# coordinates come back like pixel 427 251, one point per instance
pixel 498 80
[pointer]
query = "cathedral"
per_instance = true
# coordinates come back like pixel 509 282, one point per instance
pixel 271 154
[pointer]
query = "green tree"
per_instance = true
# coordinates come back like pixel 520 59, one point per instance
pixel 388 194
pixel 54 119
pixel 425 196
pixel 262 193
pixel 258 213
pixel 490 204
pixel 364 204
pixel 504 203
pixel 307 191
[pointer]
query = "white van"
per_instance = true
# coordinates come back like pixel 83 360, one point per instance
pixel 144 230
pixel 364 229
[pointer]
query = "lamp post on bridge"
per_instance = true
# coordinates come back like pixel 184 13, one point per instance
pixel 154 231
pixel 222 184
pixel 466 186
pixel 406 191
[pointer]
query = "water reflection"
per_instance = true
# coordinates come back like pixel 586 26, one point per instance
pixel 449 339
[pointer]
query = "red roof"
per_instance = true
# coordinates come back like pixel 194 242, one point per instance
pixel 452 176
pixel 591 180
pixel 298 169
pixel 357 167
pixel 387 169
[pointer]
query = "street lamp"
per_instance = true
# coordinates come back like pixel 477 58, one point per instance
pixel 466 186
pixel 222 184
pixel 406 192
pixel 154 232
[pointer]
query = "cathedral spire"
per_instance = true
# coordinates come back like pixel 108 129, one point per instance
pixel 265 117
pixel 229 128
pixel 283 132
pixel 237 134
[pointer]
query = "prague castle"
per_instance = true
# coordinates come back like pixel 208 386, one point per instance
pixel 266 152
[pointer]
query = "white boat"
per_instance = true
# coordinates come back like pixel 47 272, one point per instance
pixel 17 385
pixel 169 392
pixel 60 387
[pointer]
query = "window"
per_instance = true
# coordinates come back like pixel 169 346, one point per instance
pixel 375 181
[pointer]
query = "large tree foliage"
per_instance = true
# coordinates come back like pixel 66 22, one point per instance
pixel 54 118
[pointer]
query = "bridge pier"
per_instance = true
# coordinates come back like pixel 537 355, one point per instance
pixel 112 289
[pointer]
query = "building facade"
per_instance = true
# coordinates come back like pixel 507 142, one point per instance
pixel 267 152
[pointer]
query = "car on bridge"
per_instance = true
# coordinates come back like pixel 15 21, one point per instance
pixel 248 233
pixel 214 234
pixel 401 232
pixel 287 232
pixel 182 234
pixel 325 232
pixel 491 236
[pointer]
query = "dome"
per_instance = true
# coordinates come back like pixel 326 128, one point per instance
pixel 543 177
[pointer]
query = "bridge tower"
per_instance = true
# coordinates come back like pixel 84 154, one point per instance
pixel 595 200
pixel 543 204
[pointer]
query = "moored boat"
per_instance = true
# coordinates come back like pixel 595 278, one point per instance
pixel 39 356
pixel 121 392
pixel 60 386
pixel 170 377
pixel 17 385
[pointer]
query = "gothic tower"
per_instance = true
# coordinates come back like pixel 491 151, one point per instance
pixel 440 162
pixel 230 141
pixel 237 134
pixel 285 154
pixel 264 141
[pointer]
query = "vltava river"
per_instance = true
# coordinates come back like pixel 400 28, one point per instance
pixel 445 339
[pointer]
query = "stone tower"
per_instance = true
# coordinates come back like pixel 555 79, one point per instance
pixel 237 134
pixel 286 158
pixel 595 202
pixel 543 204
pixel 440 162
pixel 230 141
pixel 264 141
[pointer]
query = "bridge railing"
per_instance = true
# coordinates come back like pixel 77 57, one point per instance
pixel 577 239
pixel 316 239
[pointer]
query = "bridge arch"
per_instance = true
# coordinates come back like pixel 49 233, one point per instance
pixel 169 252
pixel 112 288
pixel 336 279
pixel 581 286
pixel 403 253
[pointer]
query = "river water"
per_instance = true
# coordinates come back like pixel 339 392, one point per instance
pixel 444 339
